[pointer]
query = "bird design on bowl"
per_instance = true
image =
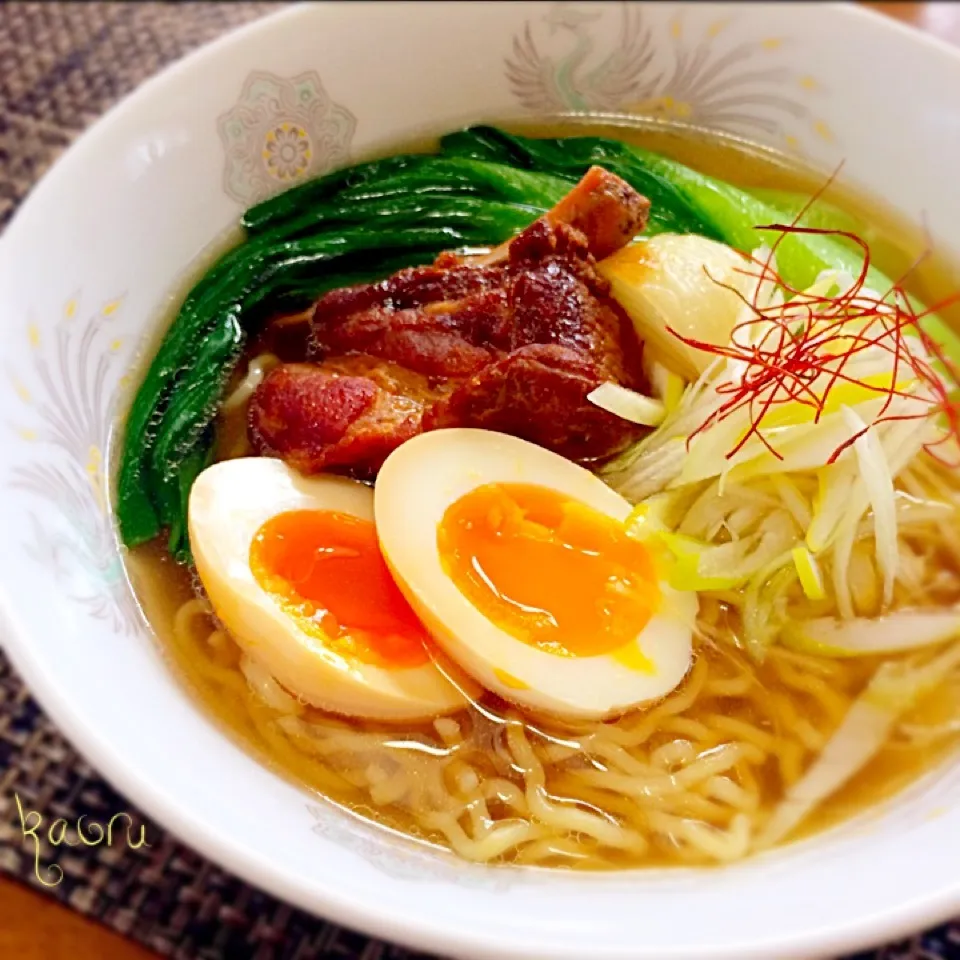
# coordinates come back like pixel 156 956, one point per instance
pixel 567 63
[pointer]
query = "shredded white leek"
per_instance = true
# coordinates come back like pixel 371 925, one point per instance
pixel 792 499
pixel 842 552
pixel 628 404
pixel 672 391
pixel 894 689
pixel 653 516
pixel 809 573
pixel 875 471
pixel 868 636
pixel 763 599
pixel 822 527
pixel 834 483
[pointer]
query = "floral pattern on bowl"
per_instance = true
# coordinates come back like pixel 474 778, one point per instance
pixel 282 131
pixel 75 373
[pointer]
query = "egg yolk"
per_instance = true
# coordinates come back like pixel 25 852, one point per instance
pixel 547 569
pixel 327 572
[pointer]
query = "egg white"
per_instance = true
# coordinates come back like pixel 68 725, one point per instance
pixel 229 502
pixel 415 486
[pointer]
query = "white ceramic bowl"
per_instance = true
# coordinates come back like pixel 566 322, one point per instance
pixel 97 248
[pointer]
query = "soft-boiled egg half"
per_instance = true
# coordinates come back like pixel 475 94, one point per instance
pixel 293 569
pixel 518 562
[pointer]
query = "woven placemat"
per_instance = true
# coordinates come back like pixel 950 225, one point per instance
pixel 61 66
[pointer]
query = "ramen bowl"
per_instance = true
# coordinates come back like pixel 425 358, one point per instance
pixel 89 265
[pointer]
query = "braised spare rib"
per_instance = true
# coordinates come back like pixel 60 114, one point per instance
pixel 513 340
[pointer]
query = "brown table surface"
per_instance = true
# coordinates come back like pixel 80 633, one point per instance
pixel 33 927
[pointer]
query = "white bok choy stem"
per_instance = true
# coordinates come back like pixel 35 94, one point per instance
pixel 894 689
pixel 679 282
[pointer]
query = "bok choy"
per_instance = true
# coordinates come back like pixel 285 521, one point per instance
pixel 482 186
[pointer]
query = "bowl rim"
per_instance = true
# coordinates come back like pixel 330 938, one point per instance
pixel 423 931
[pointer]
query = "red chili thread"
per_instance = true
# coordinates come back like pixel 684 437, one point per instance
pixel 794 348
